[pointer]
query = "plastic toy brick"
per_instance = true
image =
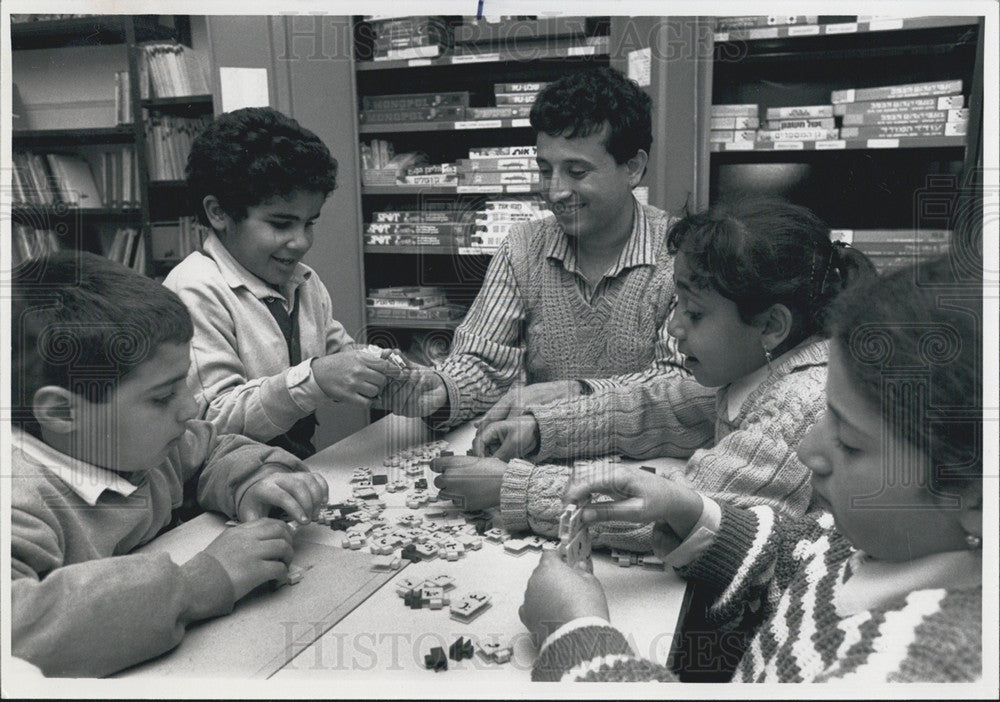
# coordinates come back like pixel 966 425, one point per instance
pixel 535 541
pixel 574 537
pixel 436 660
pixel 380 479
pixel 648 469
pixel 388 562
pixel 396 486
pixel 445 582
pixel 469 607
pixel 497 535
pixel 461 649
pixel 420 483
pixel 404 585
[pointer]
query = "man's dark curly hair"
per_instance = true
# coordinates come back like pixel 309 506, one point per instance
pixel 578 105
pixel 253 155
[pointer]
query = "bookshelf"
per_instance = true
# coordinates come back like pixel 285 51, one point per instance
pixel 118 156
pixel 854 184
pixel 481 55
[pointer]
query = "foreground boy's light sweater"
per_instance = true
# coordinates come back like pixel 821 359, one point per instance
pixel 753 461
pixel 80 605
pixel 796 572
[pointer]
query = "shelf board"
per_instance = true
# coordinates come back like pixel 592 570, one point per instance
pixel 165 184
pixel 445 126
pixel 26 210
pixel 839 29
pixel 503 55
pixel 446 324
pixel 928 142
pixel 181 103
pixel 122 134
pixel 421 250
pixel 390 190
pixel 97 30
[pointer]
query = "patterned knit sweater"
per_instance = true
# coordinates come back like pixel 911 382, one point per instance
pixel 562 336
pixel 753 461
pixel 791 570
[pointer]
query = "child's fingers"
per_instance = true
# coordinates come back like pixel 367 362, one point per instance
pixel 276 550
pixel 605 478
pixel 632 509
pixel 288 498
pixel 497 412
pixel 486 439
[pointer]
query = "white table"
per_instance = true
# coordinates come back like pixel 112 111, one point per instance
pixel 344 621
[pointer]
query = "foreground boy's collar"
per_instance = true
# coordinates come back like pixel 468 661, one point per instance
pixel 86 480
pixel 237 276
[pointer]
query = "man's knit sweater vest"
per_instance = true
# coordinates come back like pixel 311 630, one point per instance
pixel 567 338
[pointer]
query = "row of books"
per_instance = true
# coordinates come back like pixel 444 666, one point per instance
pixel 168 143
pixel 29 242
pixel 110 180
pixel 481 230
pixel 891 248
pixel 22 18
pixel 173 241
pixel 934 108
pixel 126 247
pixel 124 113
pixel 510 168
pixel 167 69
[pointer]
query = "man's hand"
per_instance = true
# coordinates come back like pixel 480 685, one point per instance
pixel 417 392
pixel 517 437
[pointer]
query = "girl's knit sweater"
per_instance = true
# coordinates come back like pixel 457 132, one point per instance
pixel 753 461
pixel 791 571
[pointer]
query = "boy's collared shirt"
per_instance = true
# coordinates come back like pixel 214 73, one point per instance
pixel 85 479
pixel 299 380
pixel 241 373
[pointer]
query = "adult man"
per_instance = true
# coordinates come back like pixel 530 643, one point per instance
pixel 573 304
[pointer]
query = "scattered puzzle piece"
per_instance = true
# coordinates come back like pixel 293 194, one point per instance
pixel 470 606
pixel 495 652
pixel 436 660
pixel 462 648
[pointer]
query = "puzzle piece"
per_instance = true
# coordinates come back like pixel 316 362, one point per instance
pixel 574 537
pixel 436 660
pixel 462 648
pixel 495 652
pixel 470 606
pixel 387 562
pixel 515 547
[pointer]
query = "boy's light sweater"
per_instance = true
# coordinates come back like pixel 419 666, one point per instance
pixel 80 605
pixel 753 461
pixel 794 572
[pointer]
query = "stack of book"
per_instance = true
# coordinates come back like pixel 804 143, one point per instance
pixel 390 228
pixel 170 70
pixel 415 107
pixel 173 241
pixel 28 243
pixel 168 143
pixel 403 38
pixel 912 110
pixel 126 247
pixel 429 174
pixel 892 248
pixel 934 109
pixel 493 223
pixel 497 169
pixel 50 179
pixel 408 302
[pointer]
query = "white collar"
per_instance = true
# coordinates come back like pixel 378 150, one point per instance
pixel 237 276
pixel 876 583
pixel 86 480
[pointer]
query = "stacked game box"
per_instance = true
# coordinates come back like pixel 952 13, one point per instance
pixel 892 248
pixel 411 302
pixel 402 38
pixel 511 101
pixel 419 228
pixel 414 107
pixel 499 169
pixel 494 221
pixel 934 108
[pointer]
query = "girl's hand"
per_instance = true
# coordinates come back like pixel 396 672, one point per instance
pixel 508 438
pixel 471 483
pixel 637 496
pixel 558 594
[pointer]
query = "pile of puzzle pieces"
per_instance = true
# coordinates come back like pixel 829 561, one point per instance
pixel 490 651
pixel 624 559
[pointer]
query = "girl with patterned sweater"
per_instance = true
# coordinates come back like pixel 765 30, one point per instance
pixel 886 588
pixel 754 280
